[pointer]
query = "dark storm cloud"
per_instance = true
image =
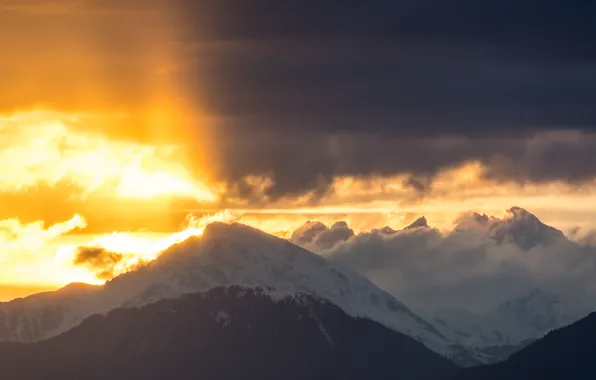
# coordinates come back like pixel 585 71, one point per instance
pixel 462 20
pixel 305 90
pixel 99 260
pixel 311 90
pixel 388 87
pixel 432 66
pixel 303 162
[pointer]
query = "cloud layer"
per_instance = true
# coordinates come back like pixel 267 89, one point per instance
pixel 467 267
pixel 308 91
pixel 98 260
pixel 27 251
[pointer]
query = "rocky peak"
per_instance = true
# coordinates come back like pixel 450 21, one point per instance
pixel 418 223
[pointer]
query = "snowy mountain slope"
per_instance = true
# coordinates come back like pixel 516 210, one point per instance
pixel 482 337
pixel 198 336
pixel 47 314
pixel 565 353
pixel 514 323
pixel 226 255
pixel 534 314
pixel 240 255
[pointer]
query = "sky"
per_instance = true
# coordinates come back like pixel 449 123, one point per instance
pixel 123 122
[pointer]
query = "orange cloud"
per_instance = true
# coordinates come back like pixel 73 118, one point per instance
pixel 43 148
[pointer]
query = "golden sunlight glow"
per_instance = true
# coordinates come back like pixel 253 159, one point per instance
pixel 46 148
pixel 42 148
pixel 26 252
pixel 18 238
pixel 137 249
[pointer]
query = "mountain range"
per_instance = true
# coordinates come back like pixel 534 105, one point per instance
pixel 225 255
pixel 521 228
pixel 243 332
pixel 275 310
pixel 491 335
pixel 518 227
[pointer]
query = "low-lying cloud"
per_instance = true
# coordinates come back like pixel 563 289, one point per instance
pixel 98 260
pixel 466 267
pixel 28 249
pixel 317 236
pixel 26 239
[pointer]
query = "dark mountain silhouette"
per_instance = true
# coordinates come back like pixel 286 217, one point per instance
pixel 226 333
pixel 525 230
pixel 566 353
pixel 521 228
pixel 387 230
pixel 418 223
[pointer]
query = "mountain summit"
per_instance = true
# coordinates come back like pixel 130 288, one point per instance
pixel 226 255
pixel 523 229
pixel 418 223
pixel 236 254
pixel 518 227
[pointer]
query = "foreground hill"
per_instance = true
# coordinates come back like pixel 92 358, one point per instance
pixel 566 353
pixel 226 333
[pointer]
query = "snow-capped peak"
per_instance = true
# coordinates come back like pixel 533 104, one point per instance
pixel 235 254
pixel 524 229
pixel 240 255
pixel 518 227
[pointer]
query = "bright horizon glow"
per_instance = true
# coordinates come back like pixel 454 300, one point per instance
pixel 96 173
pixel 43 148
pixel 138 249
pixel 48 153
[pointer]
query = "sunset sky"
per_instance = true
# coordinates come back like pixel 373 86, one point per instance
pixel 128 125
